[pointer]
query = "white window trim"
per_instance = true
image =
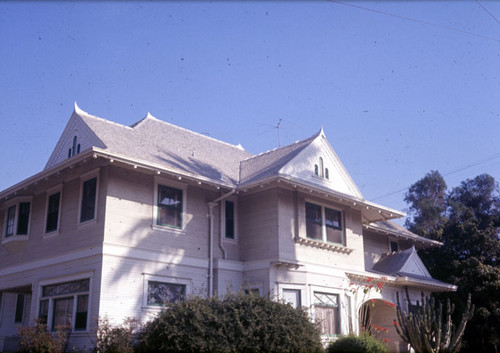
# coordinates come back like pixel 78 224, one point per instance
pixel 50 192
pixel 175 185
pixel 64 279
pixel 223 220
pixel 16 201
pixel 323 226
pixel 83 178
pixel 163 279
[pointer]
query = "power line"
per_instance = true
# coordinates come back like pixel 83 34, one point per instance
pixel 488 12
pixel 417 20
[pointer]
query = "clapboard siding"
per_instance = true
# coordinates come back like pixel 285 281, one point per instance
pixel 258 225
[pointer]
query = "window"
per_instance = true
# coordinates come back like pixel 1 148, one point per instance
pixel 88 200
pixel 324 224
pixel 160 293
pixel 17 219
pixel 326 311
pixel 320 170
pixel 75 149
pixel 53 209
pixel 169 206
pixel 18 318
pixel 65 305
pixel 229 230
pixel 394 245
pixel 292 297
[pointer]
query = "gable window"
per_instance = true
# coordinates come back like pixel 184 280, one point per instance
pixel 324 224
pixel 88 200
pixel 53 209
pixel 320 170
pixel 65 305
pixel 17 219
pixel 169 204
pixel 229 214
pixel 326 312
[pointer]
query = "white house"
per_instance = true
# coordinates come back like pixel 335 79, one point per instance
pixel 123 218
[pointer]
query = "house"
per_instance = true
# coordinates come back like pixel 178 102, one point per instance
pixel 124 218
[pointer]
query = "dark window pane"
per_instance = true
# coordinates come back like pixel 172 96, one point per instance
pixel 333 224
pixel 63 312
pixel 229 220
pixel 160 293
pixel 11 216
pixel 394 246
pixel 23 218
pixel 53 212
pixel 43 313
pixel 81 313
pixel 19 308
pixel 169 206
pixel 88 200
pixel 313 221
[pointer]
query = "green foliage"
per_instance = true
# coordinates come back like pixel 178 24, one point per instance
pixel 428 329
pixel 37 339
pixel 115 339
pixel 235 323
pixel 357 344
pixel 468 226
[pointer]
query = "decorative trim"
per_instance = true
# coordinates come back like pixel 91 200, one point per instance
pixel 323 245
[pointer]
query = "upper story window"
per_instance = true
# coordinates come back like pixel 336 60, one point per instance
pixel 53 211
pixel 393 245
pixel 88 197
pixel 324 224
pixel 170 204
pixel 17 218
pixel 229 220
pixel 320 170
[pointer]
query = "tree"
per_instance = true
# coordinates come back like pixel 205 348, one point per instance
pixel 469 229
pixel 427 199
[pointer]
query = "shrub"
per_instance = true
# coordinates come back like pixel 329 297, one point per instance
pixel 115 339
pixel 37 339
pixel 235 323
pixel 357 344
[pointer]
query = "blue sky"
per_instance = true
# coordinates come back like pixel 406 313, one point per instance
pixel 400 88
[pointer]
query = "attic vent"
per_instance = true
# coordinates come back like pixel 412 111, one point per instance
pixel 75 149
pixel 320 170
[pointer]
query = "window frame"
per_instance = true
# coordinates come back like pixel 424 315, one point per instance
pixel 224 220
pixel 15 204
pixel 83 179
pixel 314 304
pixel 324 226
pixel 51 192
pixel 20 309
pixel 173 185
pixel 391 241
pixel 74 295
pixel 186 282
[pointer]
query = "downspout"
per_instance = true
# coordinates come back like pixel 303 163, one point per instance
pixel 211 206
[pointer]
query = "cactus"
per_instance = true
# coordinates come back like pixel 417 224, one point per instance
pixel 427 330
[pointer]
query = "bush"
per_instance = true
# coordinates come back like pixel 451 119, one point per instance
pixel 235 323
pixel 357 344
pixel 115 339
pixel 37 339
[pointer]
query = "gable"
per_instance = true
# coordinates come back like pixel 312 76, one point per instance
pixel 403 263
pixel 76 138
pixel 318 164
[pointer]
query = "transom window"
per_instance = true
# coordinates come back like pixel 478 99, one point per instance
pixel 17 219
pixel 324 224
pixel 326 311
pixel 160 293
pixel 65 305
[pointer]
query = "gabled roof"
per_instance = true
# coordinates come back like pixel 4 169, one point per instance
pixel 161 143
pixel 408 269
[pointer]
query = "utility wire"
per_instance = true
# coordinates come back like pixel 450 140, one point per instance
pixel 417 20
pixel 488 12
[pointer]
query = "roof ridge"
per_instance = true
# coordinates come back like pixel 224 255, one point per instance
pixel 82 113
pixel 149 116
pixel 279 148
